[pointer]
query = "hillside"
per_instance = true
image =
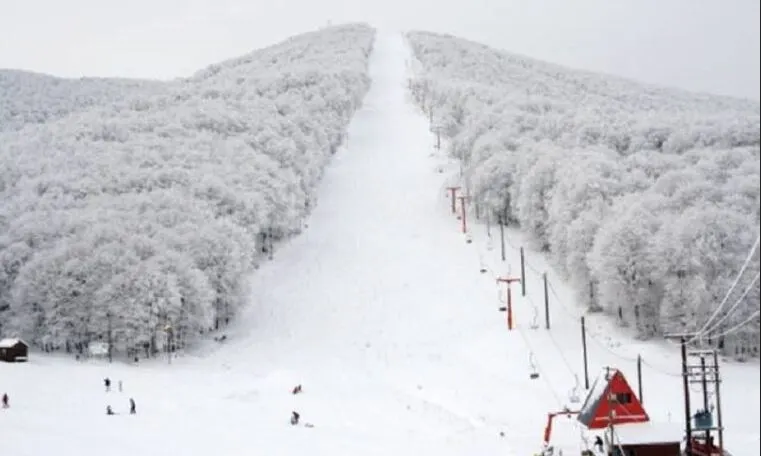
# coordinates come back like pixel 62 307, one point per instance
pixel 638 192
pixel 33 98
pixel 384 317
pixel 138 219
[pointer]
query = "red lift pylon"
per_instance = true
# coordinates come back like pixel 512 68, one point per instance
pixel 463 212
pixel 509 305
pixel 453 192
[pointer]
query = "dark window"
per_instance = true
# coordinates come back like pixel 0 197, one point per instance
pixel 624 398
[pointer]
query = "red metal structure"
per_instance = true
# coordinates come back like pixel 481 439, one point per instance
pixel 550 417
pixel 463 213
pixel 509 299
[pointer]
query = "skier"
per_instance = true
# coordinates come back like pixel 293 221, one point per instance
pixel 296 389
pixel 5 400
pixel 107 382
pixel 132 410
pixel 295 418
pixel 598 444
pixel 109 411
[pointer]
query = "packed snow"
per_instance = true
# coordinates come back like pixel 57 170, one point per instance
pixel 379 309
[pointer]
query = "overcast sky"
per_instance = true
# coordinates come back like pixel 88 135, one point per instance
pixel 703 45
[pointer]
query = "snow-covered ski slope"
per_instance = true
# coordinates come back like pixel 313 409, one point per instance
pixel 381 312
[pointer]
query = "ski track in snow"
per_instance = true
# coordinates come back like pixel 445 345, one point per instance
pixel 379 310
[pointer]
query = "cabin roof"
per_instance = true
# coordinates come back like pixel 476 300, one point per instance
pixel 647 432
pixel 11 342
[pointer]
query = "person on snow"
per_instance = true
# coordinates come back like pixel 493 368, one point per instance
pixel 296 389
pixel 295 418
pixel 5 400
pixel 132 409
pixel 598 444
pixel 107 382
pixel 109 411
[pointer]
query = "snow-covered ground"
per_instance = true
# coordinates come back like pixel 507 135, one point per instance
pixel 381 312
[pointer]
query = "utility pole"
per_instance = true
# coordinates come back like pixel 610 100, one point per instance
pixel 639 378
pixel 686 387
pixel 702 374
pixel 716 382
pixel 584 350
pixel 611 414
pixel 110 338
pixel 546 302
pixel 463 213
pixel 509 307
pixel 453 192
pixel 523 272
pixel 704 386
pixel 502 236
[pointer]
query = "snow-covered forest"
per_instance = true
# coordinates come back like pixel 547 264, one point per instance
pixel 646 198
pixel 134 210
pixel 29 98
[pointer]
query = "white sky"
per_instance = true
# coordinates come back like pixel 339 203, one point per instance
pixel 704 45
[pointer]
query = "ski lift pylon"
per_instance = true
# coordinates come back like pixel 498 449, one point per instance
pixel 532 363
pixel 535 319
pixel 573 396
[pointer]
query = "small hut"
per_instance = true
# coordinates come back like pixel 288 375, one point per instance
pixel 612 402
pixel 611 397
pixel 646 439
pixel 12 350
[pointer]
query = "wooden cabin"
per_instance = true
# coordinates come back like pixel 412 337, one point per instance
pixel 645 439
pixel 611 397
pixel 12 350
pixel 612 401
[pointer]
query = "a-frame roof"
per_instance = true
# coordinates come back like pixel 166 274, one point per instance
pixel 594 414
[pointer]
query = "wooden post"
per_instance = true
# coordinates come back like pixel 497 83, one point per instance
pixel 639 378
pixel 610 400
pixel 453 192
pixel 704 385
pixel 686 392
pixel 546 302
pixel 110 338
pixel 719 421
pixel 509 307
pixel 523 272
pixel 584 349
pixel 502 236
pixel 463 213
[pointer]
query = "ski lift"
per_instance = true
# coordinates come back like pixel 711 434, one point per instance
pixel 573 396
pixel 534 373
pixel 483 269
pixel 535 320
